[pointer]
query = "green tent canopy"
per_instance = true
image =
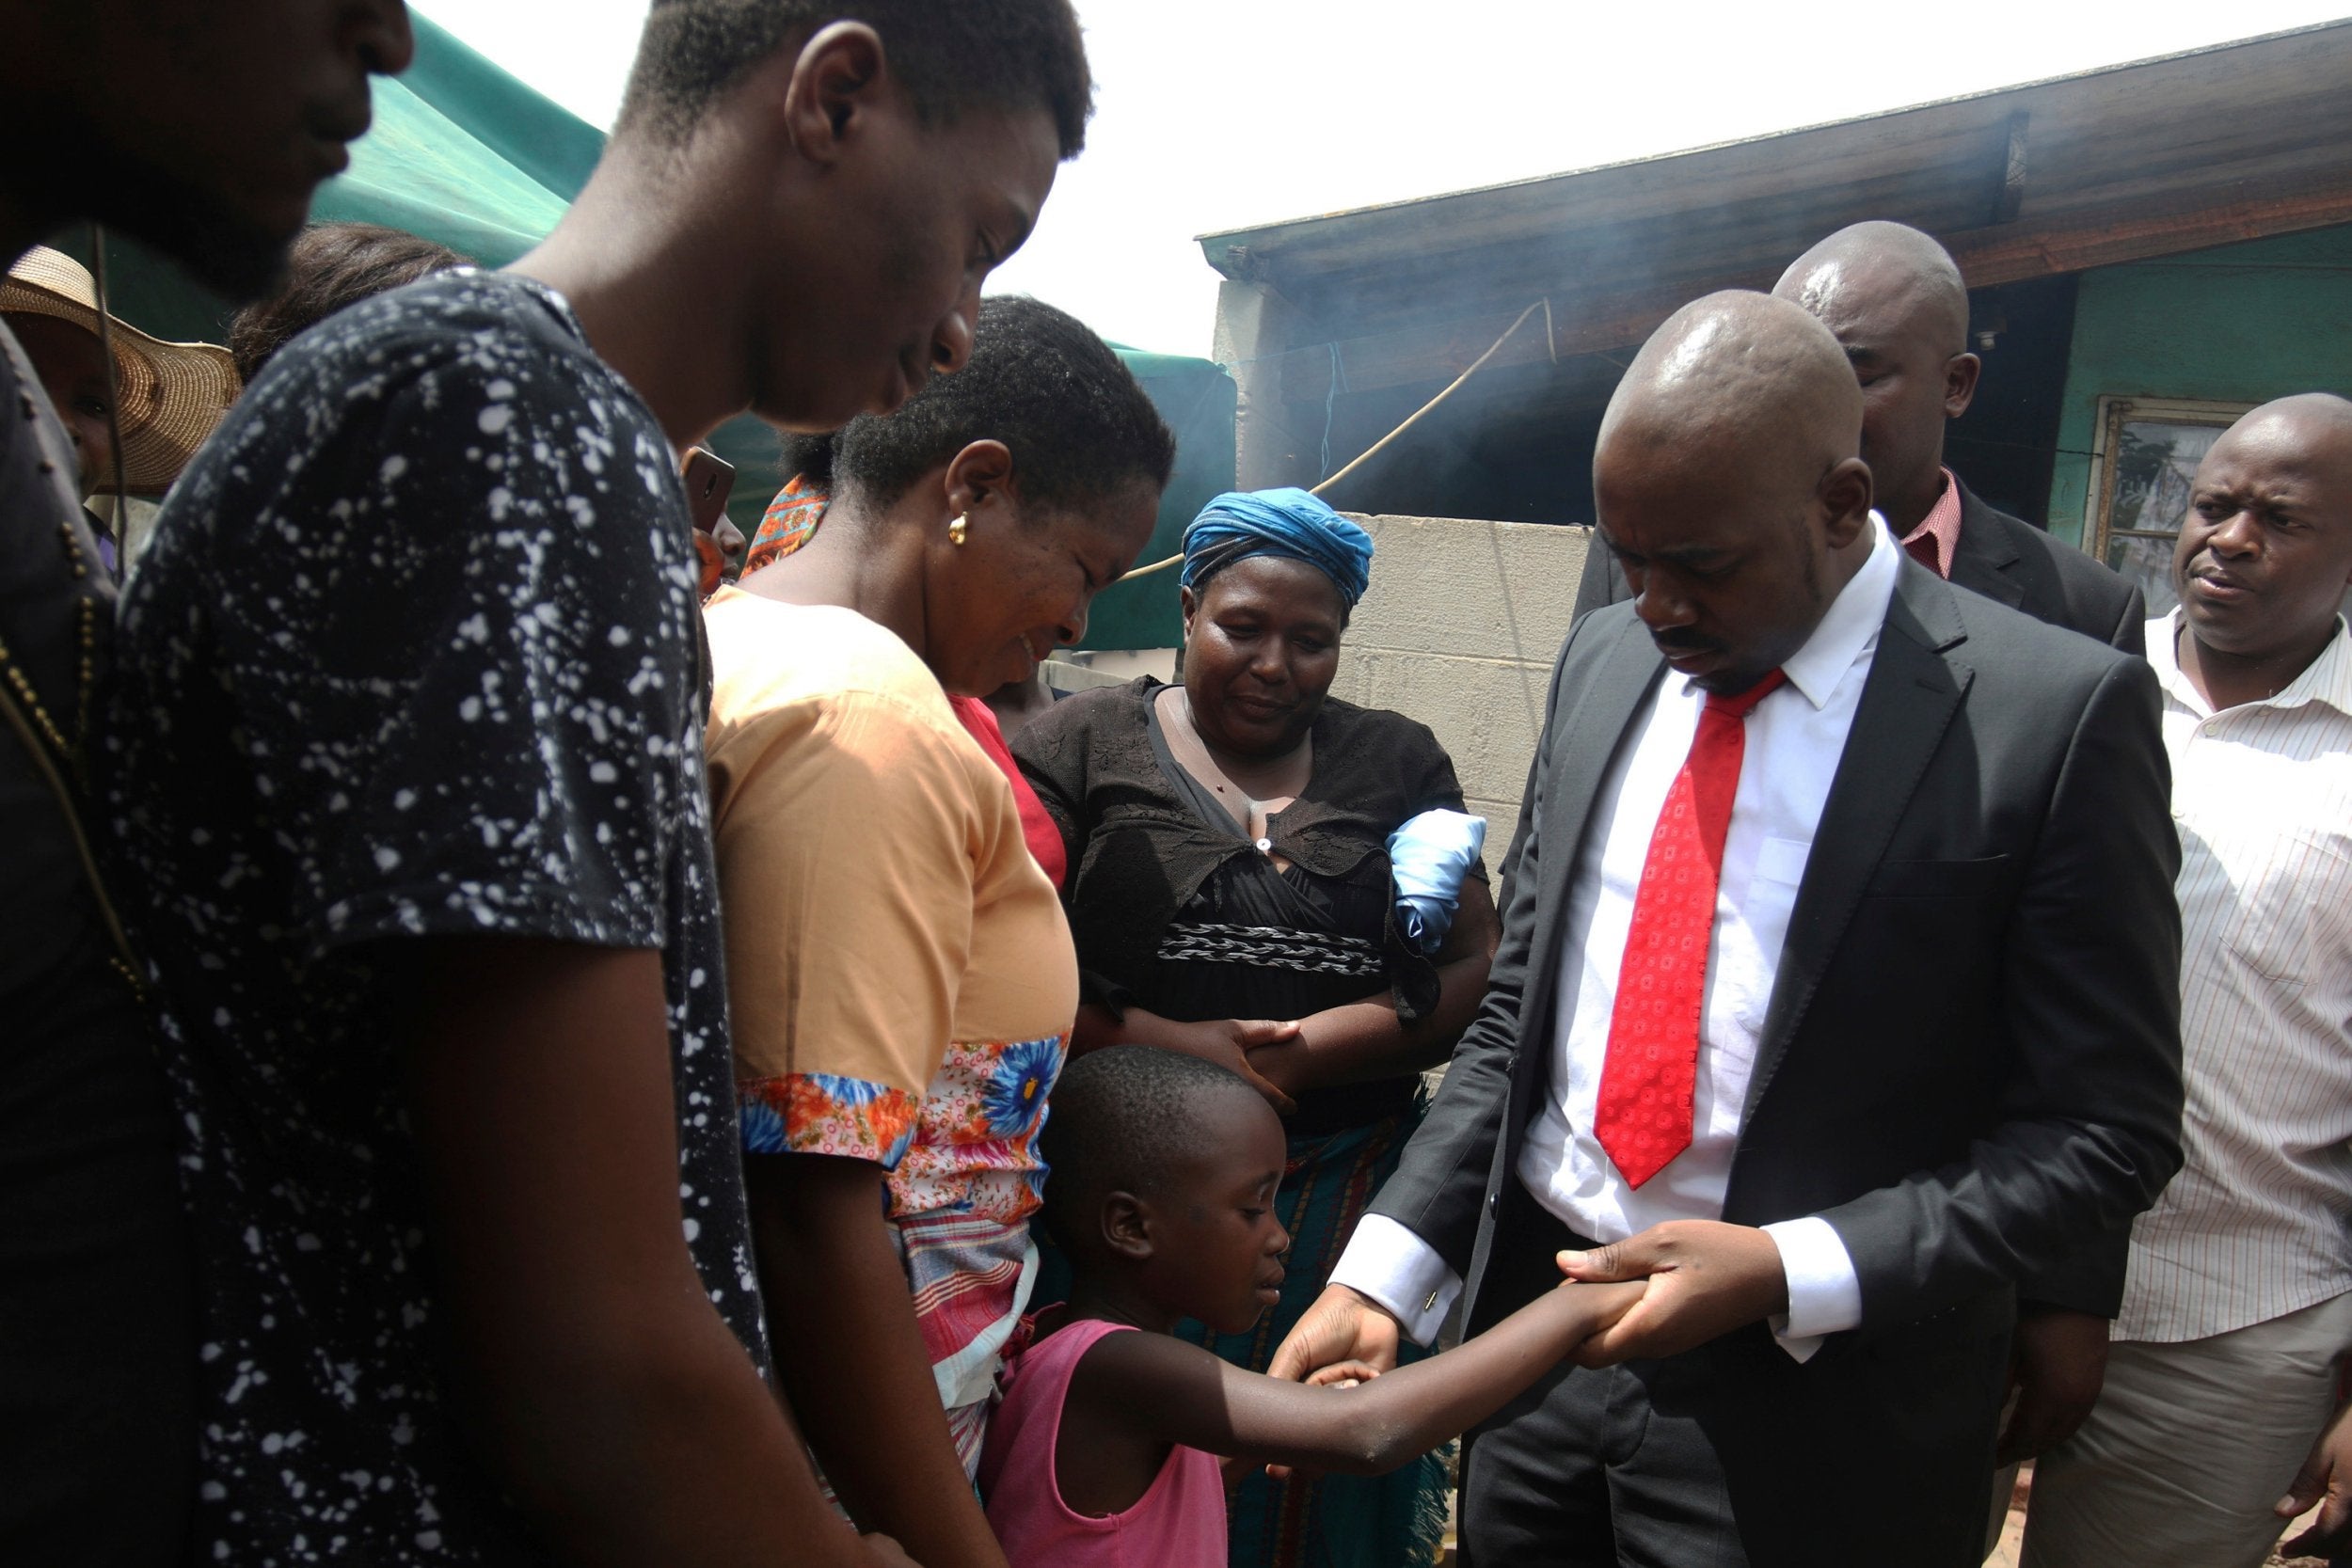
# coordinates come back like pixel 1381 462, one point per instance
pixel 462 152
pixel 1198 398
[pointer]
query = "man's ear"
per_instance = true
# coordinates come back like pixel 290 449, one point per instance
pixel 1845 494
pixel 1960 383
pixel 1127 1226
pixel 981 473
pixel 835 83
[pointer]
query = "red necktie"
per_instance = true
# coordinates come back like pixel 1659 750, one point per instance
pixel 1925 549
pixel 1642 1118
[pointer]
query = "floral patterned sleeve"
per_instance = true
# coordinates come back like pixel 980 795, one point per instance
pixel 826 1113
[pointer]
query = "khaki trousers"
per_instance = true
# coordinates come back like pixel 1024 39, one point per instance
pixel 2189 1447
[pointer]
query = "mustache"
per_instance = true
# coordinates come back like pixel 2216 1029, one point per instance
pixel 1685 642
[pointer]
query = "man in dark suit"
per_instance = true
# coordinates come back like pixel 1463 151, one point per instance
pixel 1896 302
pixel 1893 299
pixel 1836 993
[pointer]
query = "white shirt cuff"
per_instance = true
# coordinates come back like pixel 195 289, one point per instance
pixel 1824 1296
pixel 1386 1261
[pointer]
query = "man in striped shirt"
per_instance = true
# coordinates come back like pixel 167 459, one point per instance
pixel 2238 1311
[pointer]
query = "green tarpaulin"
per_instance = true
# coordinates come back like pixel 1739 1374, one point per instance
pixel 462 152
pixel 1198 400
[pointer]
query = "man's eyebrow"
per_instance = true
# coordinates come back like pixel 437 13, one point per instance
pixel 2249 497
pixel 1688 555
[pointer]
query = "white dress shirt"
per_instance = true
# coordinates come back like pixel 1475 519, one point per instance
pixel 1795 738
pixel 2254 1227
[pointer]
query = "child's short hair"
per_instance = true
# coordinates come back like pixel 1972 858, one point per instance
pixel 1119 1118
pixel 954 55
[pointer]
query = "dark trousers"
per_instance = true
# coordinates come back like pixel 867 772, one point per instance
pixel 97 1352
pixel 1733 1455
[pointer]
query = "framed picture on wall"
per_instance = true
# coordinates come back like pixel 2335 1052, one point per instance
pixel 2144 454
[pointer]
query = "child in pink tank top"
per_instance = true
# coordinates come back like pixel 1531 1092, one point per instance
pixel 1104 1452
pixel 1180 1518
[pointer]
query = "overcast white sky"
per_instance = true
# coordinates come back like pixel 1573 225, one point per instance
pixel 1219 114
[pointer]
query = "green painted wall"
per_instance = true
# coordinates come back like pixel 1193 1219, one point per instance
pixel 2243 323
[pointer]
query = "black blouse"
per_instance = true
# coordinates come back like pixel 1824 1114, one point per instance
pixel 1175 910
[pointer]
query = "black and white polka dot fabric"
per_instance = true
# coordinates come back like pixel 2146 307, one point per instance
pixel 412 654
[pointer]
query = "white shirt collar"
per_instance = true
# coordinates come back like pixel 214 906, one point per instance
pixel 2325 679
pixel 1851 627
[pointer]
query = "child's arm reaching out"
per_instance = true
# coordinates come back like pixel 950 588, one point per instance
pixel 1158 1389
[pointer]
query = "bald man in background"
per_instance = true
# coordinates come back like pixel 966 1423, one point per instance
pixel 2236 1321
pixel 1836 993
pixel 1895 301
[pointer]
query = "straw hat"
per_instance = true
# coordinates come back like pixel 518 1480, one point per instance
pixel 171 394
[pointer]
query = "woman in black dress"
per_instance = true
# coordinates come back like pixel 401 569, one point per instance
pixel 1231 896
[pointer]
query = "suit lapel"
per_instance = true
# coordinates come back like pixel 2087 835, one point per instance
pixel 1913 689
pixel 1583 744
pixel 1587 732
pixel 1985 560
pixel 1592 729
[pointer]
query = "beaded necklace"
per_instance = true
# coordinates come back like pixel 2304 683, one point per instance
pixel 35 725
pixel 69 749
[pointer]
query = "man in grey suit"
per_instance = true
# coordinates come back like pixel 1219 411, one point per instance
pixel 1896 302
pixel 1893 299
pixel 1836 995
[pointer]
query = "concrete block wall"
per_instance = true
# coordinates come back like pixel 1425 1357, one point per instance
pixel 1459 630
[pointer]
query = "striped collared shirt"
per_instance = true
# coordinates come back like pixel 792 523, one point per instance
pixel 2259 1221
pixel 1937 536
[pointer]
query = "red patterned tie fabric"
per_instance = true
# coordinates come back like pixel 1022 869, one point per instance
pixel 1644 1115
pixel 1928 550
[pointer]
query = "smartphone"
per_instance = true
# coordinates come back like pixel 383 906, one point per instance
pixel 709 479
pixel 719 544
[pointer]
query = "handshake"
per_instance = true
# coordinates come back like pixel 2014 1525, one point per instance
pixel 1703 1279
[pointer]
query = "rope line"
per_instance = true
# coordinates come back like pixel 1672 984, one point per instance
pixel 1331 395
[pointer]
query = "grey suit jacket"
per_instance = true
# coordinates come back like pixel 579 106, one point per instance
pixel 1971 1060
pixel 2008 561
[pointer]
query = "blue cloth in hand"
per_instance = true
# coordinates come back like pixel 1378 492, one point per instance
pixel 1429 856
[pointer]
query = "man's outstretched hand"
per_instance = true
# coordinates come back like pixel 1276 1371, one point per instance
pixel 1341 1326
pixel 1706 1278
pixel 1343 1337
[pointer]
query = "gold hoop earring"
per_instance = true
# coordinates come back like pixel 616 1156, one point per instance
pixel 959 530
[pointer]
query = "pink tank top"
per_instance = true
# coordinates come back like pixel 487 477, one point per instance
pixel 1179 1522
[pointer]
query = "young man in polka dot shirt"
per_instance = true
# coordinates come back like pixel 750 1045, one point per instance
pixel 406 756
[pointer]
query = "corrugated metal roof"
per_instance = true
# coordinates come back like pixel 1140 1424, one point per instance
pixel 2147 158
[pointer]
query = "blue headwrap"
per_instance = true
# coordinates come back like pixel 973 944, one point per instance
pixel 1243 523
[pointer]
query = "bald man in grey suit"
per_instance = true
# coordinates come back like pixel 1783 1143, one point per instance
pixel 1932 957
